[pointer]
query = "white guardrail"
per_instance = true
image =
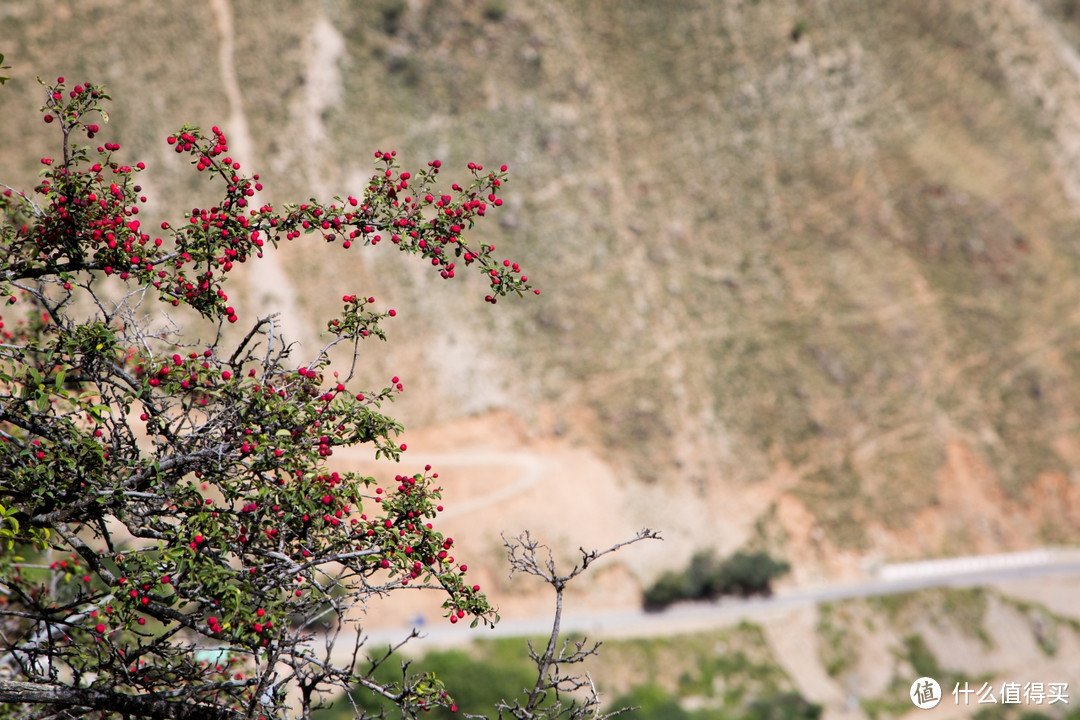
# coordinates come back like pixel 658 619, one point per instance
pixel 977 564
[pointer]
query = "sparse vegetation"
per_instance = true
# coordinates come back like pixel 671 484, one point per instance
pixel 495 10
pixel 721 675
pixel 815 347
pixel 492 672
pixel 922 659
pixel 966 609
pixel 654 703
pixel 1046 626
pixel 836 646
pixel 859 263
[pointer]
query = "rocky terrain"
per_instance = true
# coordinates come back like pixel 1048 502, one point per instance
pixel 810 268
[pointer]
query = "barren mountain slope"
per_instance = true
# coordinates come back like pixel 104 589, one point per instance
pixel 809 269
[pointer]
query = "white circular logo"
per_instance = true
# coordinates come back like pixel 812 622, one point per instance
pixel 925 693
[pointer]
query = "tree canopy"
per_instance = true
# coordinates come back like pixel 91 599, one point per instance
pixel 174 544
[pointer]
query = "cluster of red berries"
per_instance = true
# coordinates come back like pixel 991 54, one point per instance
pixel 285 423
pixel 140 597
pixel 223 235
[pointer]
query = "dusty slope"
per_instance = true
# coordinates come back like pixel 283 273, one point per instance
pixel 813 293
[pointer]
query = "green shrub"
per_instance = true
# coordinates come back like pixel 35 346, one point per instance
pixel 748 574
pixel 669 588
pixel 706 578
pixel 785 706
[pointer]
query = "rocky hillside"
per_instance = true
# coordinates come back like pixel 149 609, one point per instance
pixel 810 268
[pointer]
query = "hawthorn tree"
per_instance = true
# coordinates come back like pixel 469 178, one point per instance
pixel 172 542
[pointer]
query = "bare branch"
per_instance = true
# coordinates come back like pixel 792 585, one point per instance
pixel 552 682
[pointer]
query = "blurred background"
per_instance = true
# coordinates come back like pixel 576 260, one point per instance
pixel 809 275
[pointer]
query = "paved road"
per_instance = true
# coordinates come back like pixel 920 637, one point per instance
pixel 685 618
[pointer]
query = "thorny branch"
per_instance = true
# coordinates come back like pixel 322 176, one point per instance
pixel 186 544
pixel 547 699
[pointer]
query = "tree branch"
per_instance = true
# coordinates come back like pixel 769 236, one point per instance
pixel 146 706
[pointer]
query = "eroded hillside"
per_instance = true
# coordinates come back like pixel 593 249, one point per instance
pixel 809 269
